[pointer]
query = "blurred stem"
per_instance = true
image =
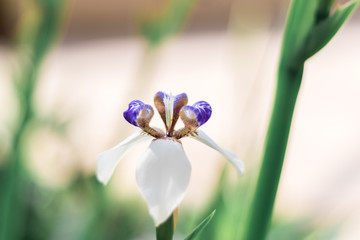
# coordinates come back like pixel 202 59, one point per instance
pixel 12 210
pixel 37 31
pixel 277 136
pixel 166 230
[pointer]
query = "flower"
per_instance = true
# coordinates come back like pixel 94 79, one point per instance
pixel 163 172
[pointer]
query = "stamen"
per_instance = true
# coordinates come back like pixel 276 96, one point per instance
pixel 169 109
pixel 179 101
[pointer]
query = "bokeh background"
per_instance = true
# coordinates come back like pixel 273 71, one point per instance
pixel 105 54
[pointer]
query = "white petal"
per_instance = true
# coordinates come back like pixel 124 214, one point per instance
pixel 107 161
pixel 162 176
pixel 236 162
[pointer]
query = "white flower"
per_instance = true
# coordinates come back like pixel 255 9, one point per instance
pixel 163 172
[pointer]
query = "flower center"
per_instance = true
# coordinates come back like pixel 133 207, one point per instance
pixel 170 109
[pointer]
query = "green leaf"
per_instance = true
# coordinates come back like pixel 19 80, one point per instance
pixel 324 9
pixel 301 18
pixel 200 227
pixel 325 30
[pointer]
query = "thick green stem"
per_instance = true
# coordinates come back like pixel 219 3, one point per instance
pixel 166 230
pixel 262 205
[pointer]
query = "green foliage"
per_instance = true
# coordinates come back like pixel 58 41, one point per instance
pixel 199 228
pixel 230 201
pixel 300 21
pixel 301 229
pixel 310 26
pixel 35 38
pixel 322 33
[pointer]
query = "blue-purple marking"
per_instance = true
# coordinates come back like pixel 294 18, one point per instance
pixel 132 113
pixel 203 112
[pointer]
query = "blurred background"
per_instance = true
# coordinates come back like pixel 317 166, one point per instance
pixel 68 70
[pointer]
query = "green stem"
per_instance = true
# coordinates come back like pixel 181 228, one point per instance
pixel 289 81
pixel 166 230
pixel 14 181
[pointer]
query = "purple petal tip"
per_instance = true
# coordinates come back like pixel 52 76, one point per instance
pixel 197 114
pixel 203 112
pixel 131 114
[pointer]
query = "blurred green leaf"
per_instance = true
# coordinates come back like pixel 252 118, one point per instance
pixel 39 26
pixel 322 33
pixel 200 227
pixel 301 229
pixel 157 29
